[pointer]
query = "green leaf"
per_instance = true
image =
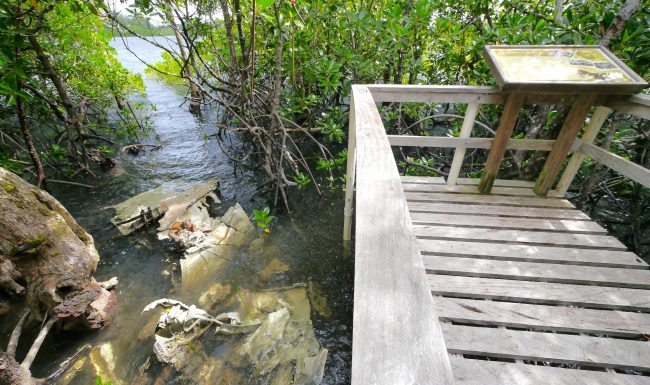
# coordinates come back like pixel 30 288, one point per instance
pixel 263 4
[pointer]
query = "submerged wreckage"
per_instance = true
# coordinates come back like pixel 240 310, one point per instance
pixel 187 217
pixel 264 334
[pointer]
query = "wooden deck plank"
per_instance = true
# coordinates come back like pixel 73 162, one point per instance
pixel 499 182
pixel 550 347
pixel 466 181
pixel 488 199
pixel 423 179
pixel 550 254
pixel 542 317
pixel 518 236
pixel 458 219
pixel 480 372
pixel 597 297
pixel 544 272
pixel 470 189
pixel 497 211
pixel 389 292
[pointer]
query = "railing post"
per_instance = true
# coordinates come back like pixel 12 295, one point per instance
pixel 591 131
pixel 574 120
pixel 506 124
pixel 348 210
pixel 465 132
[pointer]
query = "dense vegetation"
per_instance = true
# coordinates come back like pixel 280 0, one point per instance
pixel 280 71
pixel 60 83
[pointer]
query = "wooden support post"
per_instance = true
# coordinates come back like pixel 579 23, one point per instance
pixel 349 179
pixel 563 143
pixel 507 123
pixel 465 132
pixel 591 131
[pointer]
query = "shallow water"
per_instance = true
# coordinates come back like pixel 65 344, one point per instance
pixel 309 240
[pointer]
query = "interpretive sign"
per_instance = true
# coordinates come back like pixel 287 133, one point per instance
pixel 573 69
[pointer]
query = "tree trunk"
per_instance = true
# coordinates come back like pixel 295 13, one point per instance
pixel 227 21
pixel 624 15
pixel 195 93
pixel 53 255
pixel 11 373
pixel 74 119
pixel 24 127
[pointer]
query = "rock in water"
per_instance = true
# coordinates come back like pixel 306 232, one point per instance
pixel 54 256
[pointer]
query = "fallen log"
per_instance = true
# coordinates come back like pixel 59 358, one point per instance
pixel 47 256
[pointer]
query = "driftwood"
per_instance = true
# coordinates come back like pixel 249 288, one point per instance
pixel 51 254
pixel 48 257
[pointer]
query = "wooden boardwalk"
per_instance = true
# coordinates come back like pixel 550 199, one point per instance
pixel 529 289
pixel 457 287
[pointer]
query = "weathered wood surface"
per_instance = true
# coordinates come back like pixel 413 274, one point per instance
pixel 423 179
pixel 459 219
pixel 549 347
pixel 499 182
pixel 465 132
pixel 533 271
pixel 597 297
pixel 493 262
pixel 481 372
pixel 471 189
pixel 458 94
pixel 507 124
pixel 438 180
pixel 563 143
pixel 495 210
pixel 549 254
pixel 637 105
pixel 543 317
pixel 351 166
pixel 518 236
pixel 487 199
pixel 591 131
pixel 452 142
pixel 397 339
pixel 629 169
pixel 436 94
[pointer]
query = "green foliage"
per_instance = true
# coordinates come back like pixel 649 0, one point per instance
pixel 10 164
pixel 138 25
pixel 168 69
pixel 331 129
pixel 411 166
pixel 263 218
pixel 301 179
pixel 99 381
pixel 57 58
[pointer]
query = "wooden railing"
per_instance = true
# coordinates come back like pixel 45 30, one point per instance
pixel 396 335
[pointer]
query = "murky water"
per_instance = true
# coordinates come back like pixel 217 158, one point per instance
pixel 309 241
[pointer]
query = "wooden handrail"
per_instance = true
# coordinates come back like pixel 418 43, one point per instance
pixel 461 94
pixel 636 105
pixel 623 166
pixel 390 283
pixel 397 339
pixel 484 143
